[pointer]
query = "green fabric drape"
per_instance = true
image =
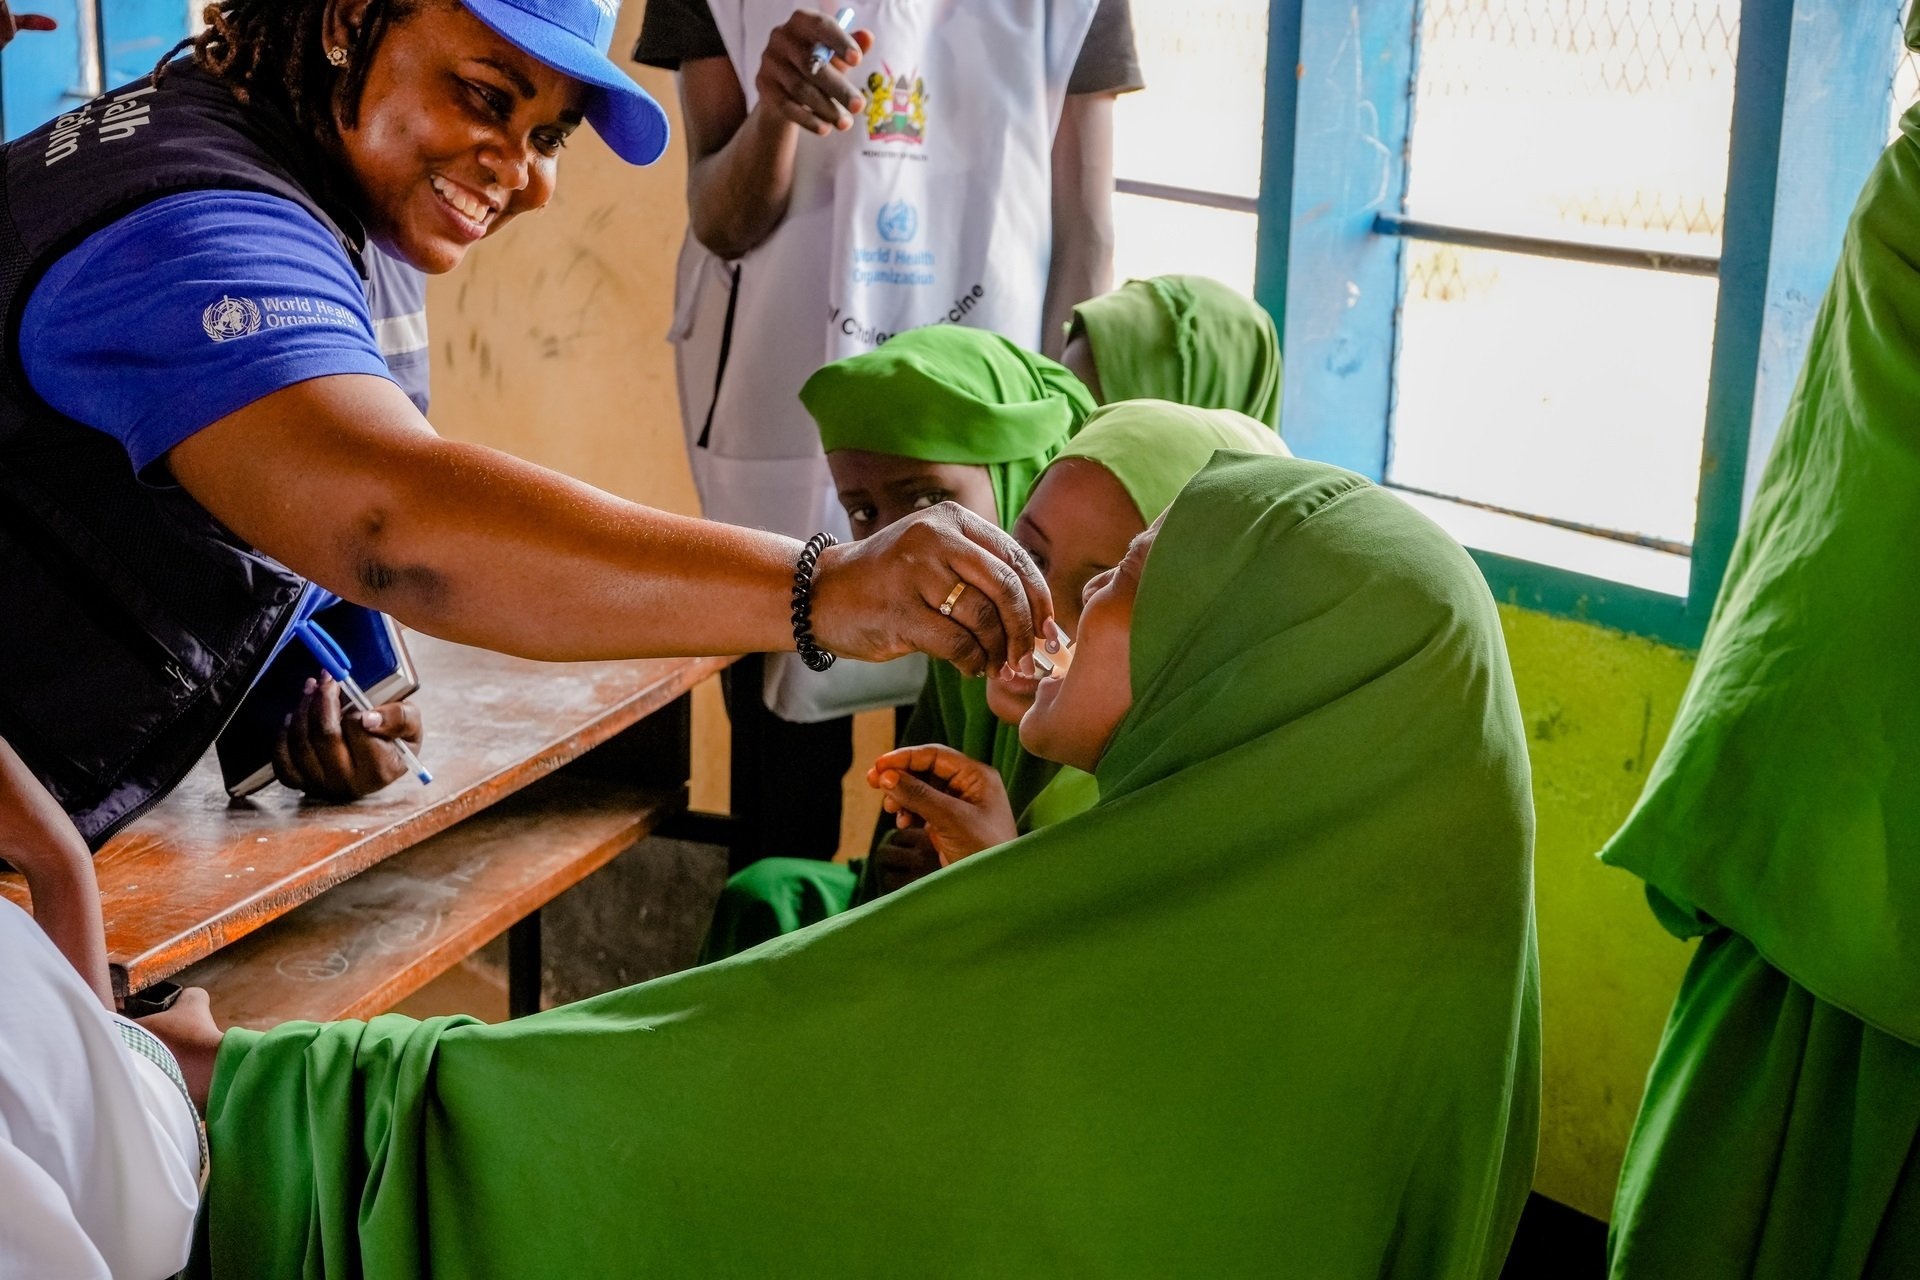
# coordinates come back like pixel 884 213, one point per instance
pixel 1270 1004
pixel 1785 808
pixel 775 896
pixel 1187 339
pixel 1153 447
pixel 945 393
pixel 1786 805
pixel 1776 1136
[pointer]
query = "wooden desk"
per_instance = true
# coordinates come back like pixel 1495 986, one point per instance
pixel 543 772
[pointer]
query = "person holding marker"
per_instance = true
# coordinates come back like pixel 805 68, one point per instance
pixel 947 163
pixel 196 419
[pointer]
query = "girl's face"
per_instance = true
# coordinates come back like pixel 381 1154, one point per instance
pixel 1077 524
pixel 457 131
pixel 880 488
pixel 1074 716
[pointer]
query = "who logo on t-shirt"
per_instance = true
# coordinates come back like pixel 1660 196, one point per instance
pixel 230 318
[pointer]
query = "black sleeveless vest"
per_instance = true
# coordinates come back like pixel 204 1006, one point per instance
pixel 131 621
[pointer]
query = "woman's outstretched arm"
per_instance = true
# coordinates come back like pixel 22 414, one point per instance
pixel 343 481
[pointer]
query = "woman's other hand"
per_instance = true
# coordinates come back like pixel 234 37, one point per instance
pixel 960 802
pixel 333 752
pixel 11 23
pixel 192 1037
pixel 880 597
pixel 818 101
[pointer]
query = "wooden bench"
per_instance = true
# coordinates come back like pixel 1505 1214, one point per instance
pixel 543 772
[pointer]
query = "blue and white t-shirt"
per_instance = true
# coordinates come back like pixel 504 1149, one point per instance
pixel 397 301
pixel 199 304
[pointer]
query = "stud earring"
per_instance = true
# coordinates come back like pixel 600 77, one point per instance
pixel 337 56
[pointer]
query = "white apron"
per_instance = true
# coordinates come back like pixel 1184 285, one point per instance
pixel 935 207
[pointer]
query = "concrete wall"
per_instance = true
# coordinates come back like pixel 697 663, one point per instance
pixel 549 343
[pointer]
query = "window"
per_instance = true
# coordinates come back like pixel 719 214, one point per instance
pixel 1906 78
pixel 1187 148
pixel 1531 273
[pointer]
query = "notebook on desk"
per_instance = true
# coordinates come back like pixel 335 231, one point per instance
pixel 381 665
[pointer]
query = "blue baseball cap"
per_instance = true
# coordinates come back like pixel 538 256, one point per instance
pixel 572 36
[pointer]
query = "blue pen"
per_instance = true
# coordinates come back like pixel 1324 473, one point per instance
pixel 823 55
pixel 333 659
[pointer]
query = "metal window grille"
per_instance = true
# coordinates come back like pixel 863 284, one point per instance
pixel 1552 143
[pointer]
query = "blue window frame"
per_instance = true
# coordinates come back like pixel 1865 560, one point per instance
pixel 1812 80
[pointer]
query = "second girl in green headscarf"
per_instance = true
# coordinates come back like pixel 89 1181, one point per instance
pixel 938 414
pixel 1187 339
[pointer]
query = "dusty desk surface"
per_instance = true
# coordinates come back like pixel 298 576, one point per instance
pixel 201 871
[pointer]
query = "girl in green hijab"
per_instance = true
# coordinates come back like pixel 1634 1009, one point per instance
pixel 1101 491
pixel 1780 1132
pixel 953 779
pixel 1187 339
pixel 937 414
pixel 1269 1006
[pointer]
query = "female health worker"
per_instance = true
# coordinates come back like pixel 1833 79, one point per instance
pixel 195 418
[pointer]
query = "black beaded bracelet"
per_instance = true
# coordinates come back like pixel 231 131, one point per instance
pixel 810 653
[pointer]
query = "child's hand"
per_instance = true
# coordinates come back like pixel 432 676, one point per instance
pixel 961 802
pixel 903 857
pixel 332 752
pixel 192 1037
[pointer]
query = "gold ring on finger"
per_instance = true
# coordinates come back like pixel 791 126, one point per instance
pixel 953 598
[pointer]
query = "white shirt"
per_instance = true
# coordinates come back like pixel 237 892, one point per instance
pixel 100 1148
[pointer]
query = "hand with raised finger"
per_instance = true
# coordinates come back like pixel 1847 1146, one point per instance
pixel 11 22
pixel 960 802
pixel 818 98
pixel 333 752
pixel 943 581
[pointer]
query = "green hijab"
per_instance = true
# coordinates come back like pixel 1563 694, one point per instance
pixel 1271 999
pixel 1154 447
pixel 1786 802
pixel 945 393
pixel 1187 339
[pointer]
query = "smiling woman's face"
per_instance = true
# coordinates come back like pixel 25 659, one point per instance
pixel 457 132
pixel 1075 716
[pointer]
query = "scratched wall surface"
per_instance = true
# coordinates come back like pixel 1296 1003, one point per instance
pixel 1597 706
pixel 550 340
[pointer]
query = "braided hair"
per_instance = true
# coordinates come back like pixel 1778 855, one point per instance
pixel 274 50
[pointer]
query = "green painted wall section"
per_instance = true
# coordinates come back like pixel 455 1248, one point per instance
pixel 1598 705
